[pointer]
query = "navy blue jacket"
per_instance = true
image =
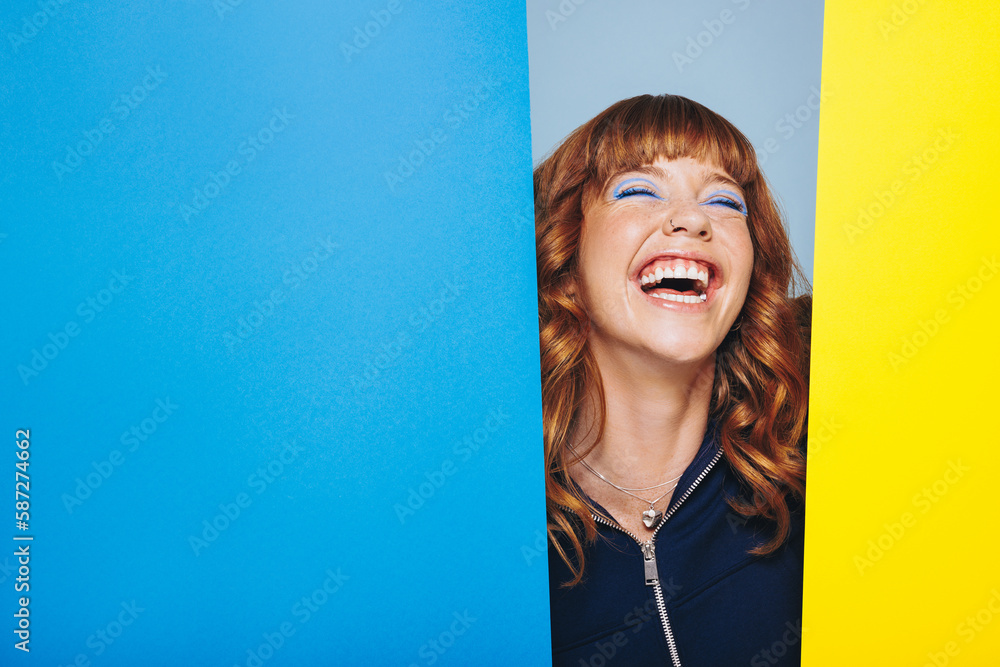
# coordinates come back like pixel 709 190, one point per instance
pixel 724 607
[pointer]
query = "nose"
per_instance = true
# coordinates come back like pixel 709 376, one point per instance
pixel 690 220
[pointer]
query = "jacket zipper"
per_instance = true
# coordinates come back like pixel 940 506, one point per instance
pixel 649 558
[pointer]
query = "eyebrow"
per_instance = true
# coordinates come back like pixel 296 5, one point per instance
pixel 657 172
pixel 633 180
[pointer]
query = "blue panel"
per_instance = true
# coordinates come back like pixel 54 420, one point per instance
pixel 272 323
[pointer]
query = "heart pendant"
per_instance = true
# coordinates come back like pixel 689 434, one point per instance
pixel 650 517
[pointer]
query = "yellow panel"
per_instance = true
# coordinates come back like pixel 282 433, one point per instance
pixel 903 517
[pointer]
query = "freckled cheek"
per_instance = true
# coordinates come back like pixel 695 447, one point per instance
pixel 608 244
pixel 741 256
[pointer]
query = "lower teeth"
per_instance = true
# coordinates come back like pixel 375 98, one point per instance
pixel 681 298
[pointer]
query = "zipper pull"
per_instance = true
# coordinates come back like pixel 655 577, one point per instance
pixel 649 562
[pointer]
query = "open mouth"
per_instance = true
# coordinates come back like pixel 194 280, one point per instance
pixel 678 280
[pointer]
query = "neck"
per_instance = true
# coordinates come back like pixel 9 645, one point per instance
pixel 654 424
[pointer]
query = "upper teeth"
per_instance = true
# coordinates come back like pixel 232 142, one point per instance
pixel 678 271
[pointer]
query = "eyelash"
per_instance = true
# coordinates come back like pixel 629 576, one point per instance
pixel 730 203
pixel 635 190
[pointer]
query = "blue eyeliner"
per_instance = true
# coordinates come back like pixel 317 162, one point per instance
pixel 732 196
pixel 618 193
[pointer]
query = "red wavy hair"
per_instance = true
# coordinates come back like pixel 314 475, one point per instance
pixel 760 393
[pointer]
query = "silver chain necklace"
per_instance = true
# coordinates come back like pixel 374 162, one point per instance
pixel 651 516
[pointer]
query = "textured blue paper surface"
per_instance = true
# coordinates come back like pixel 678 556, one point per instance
pixel 271 321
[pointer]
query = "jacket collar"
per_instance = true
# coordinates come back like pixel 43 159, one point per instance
pixel 709 447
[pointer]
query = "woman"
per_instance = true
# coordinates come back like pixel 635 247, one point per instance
pixel 674 394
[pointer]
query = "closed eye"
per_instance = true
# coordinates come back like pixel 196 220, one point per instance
pixel 729 200
pixel 636 187
pixel 634 190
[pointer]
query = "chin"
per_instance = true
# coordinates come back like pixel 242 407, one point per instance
pixel 681 352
